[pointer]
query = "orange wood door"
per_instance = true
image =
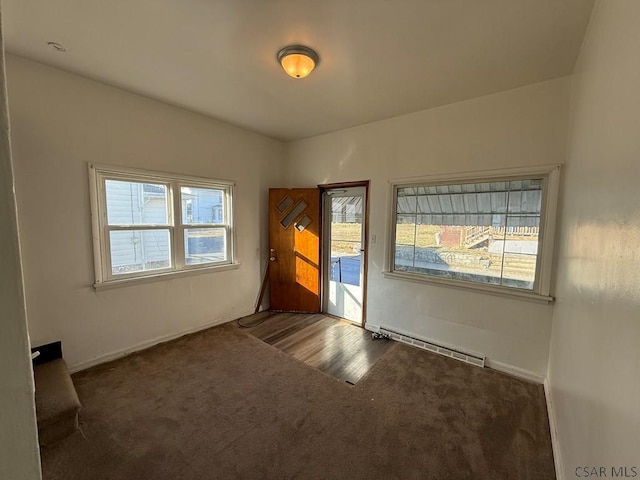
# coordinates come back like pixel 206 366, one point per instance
pixel 294 242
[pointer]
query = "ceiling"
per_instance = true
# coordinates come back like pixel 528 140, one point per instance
pixel 378 58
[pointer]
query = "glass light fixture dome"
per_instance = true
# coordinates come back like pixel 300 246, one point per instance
pixel 297 60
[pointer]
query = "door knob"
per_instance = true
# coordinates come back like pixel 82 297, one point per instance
pixel 272 255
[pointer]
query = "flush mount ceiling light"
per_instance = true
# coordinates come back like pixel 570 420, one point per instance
pixel 297 60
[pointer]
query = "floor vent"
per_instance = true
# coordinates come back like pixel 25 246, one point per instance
pixel 478 361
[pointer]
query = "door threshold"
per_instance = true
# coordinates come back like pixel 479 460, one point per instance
pixel 296 311
pixel 357 324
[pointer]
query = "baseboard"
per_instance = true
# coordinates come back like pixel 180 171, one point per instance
pixel 376 328
pixel 372 328
pixel 557 460
pixel 76 367
pixel 493 364
pixel 515 371
pixel 532 377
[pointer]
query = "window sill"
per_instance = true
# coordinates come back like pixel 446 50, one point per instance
pixel 492 290
pixel 123 282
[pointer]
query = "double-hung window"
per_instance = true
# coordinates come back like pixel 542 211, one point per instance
pixel 492 231
pixel 148 224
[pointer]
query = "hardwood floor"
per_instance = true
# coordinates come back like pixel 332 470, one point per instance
pixel 336 347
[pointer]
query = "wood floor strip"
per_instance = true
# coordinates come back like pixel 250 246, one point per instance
pixel 336 347
pixel 298 341
pixel 271 325
pixel 288 329
pixel 321 341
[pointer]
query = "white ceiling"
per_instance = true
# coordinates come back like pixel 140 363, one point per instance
pixel 379 58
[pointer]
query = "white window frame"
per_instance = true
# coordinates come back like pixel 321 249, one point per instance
pixel 98 174
pixel 550 175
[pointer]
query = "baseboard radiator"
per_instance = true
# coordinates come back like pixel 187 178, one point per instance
pixel 476 360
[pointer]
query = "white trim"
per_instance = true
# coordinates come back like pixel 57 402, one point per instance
pixel 177 232
pixel 555 442
pixel 163 176
pixel 479 287
pixel 156 277
pixel 544 268
pixel 98 254
pixel 450 346
pixel 456 354
pixel 476 175
pixel 230 207
pixel 492 364
pixel 108 357
pixel 515 371
pixel 99 174
pixel 542 283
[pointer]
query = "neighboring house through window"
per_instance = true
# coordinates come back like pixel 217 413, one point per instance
pixel 147 224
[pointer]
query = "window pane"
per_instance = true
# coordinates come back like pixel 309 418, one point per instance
pixel 484 232
pixel 204 245
pixel 136 203
pixel 405 241
pixel 519 250
pixel 406 203
pixel 294 213
pixel 139 250
pixel 284 204
pixel 346 239
pixel 202 206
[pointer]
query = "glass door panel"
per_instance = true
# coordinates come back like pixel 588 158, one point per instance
pixel 344 252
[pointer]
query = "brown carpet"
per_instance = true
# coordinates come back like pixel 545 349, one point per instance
pixel 221 404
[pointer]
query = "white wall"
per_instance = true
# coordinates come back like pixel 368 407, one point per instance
pixel 61 122
pixel 522 127
pixel 19 453
pixel 594 368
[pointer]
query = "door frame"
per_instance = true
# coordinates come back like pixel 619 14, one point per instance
pixel 365 257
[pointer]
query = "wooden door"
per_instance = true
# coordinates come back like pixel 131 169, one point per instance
pixel 294 242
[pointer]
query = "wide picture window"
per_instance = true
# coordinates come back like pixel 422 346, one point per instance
pixel 494 233
pixel 148 224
